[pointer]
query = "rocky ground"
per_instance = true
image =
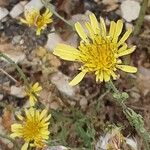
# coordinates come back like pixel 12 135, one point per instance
pixel 81 113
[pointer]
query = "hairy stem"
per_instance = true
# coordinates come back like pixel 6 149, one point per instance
pixel 134 119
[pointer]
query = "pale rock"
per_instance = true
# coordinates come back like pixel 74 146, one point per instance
pixel 34 4
pixel 53 40
pixel 62 83
pixel 72 40
pixel 57 148
pixel 54 105
pixel 147 17
pixel 130 10
pixel 109 2
pixel 17 91
pixel 143 80
pixel 16 39
pixel 83 102
pixel 1 97
pixel 129 25
pixel 18 9
pixel 3 13
pixel 82 18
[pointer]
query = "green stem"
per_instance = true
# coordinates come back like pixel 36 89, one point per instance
pixel 17 67
pixel 51 7
pixel 135 119
pixel 112 86
pixel 10 139
pixel 141 17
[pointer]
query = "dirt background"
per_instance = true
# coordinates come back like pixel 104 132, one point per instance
pixel 82 113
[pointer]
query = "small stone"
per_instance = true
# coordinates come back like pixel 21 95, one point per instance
pixel 16 39
pixel 17 10
pixel 17 91
pixel 130 10
pixel 53 40
pixel 57 148
pixel 1 97
pixel 34 4
pixel 62 83
pixel 3 12
pixel 83 102
pixel 54 105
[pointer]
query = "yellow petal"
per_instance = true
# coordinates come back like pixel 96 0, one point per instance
pixel 113 75
pixel 106 76
pixel 32 100
pixel 16 127
pixel 102 27
pixel 89 27
pixel 81 32
pixel 19 117
pixel 23 21
pixel 118 30
pixel 94 23
pixel 101 77
pixel 38 31
pixel 125 36
pixel 15 134
pixel 112 29
pixel 127 68
pixel 66 52
pixel 43 113
pixel 78 78
pixel 36 87
pixel 47 118
pixel 126 52
pixel 124 47
pixel 25 146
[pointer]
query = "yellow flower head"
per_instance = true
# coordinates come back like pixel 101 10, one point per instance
pixel 33 92
pixel 99 51
pixel 33 18
pixel 33 129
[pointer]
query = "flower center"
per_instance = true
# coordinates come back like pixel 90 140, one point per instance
pixel 31 130
pixel 98 55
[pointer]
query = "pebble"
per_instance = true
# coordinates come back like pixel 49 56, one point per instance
pixel 83 102
pixel 1 97
pixel 18 9
pixel 62 83
pixel 53 40
pixel 17 91
pixel 57 148
pixel 34 4
pixel 130 10
pixel 54 105
pixel 3 12
pixel 16 39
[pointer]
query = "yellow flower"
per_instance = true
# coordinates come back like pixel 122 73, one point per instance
pixel 33 92
pixel 33 129
pixel 99 51
pixel 35 19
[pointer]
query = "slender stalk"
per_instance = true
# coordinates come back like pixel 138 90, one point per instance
pixel 51 7
pixel 23 76
pixel 115 90
pixel 141 17
pixel 8 75
pixel 134 119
